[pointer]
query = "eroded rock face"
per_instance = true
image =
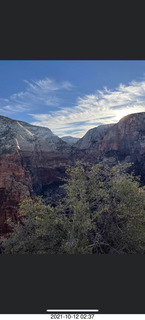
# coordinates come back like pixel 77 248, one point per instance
pixel 123 141
pixel 126 138
pixel 93 137
pixel 19 135
pixel 87 148
pixel 31 160
pixel 15 185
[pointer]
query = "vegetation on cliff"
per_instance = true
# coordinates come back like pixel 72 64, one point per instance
pixel 103 212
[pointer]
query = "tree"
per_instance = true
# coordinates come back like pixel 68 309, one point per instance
pixel 120 207
pixel 39 230
pixel 107 207
pixel 76 208
pixel 103 211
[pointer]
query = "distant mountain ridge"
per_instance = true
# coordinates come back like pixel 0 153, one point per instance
pixel 70 140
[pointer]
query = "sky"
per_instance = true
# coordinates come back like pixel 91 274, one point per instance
pixel 71 96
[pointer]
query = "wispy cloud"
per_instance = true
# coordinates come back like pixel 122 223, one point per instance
pixel 103 107
pixel 44 92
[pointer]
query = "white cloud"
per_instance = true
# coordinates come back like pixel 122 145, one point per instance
pixel 44 92
pixel 10 108
pixel 47 85
pixel 105 106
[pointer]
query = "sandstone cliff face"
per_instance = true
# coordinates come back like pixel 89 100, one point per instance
pixel 87 148
pixel 19 135
pixel 123 139
pixel 126 138
pixel 126 142
pixel 31 160
pixel 93 137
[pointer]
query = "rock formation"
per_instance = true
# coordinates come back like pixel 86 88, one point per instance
pixel 32 161
pixel 123 141
pixel 93 137
pixel 87 148
pixel 126 142
pixel 126 138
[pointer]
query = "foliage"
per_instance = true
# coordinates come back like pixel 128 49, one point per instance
pixel 103 212
pixel 38 231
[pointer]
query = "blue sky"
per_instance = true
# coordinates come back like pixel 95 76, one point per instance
pixel 71 97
